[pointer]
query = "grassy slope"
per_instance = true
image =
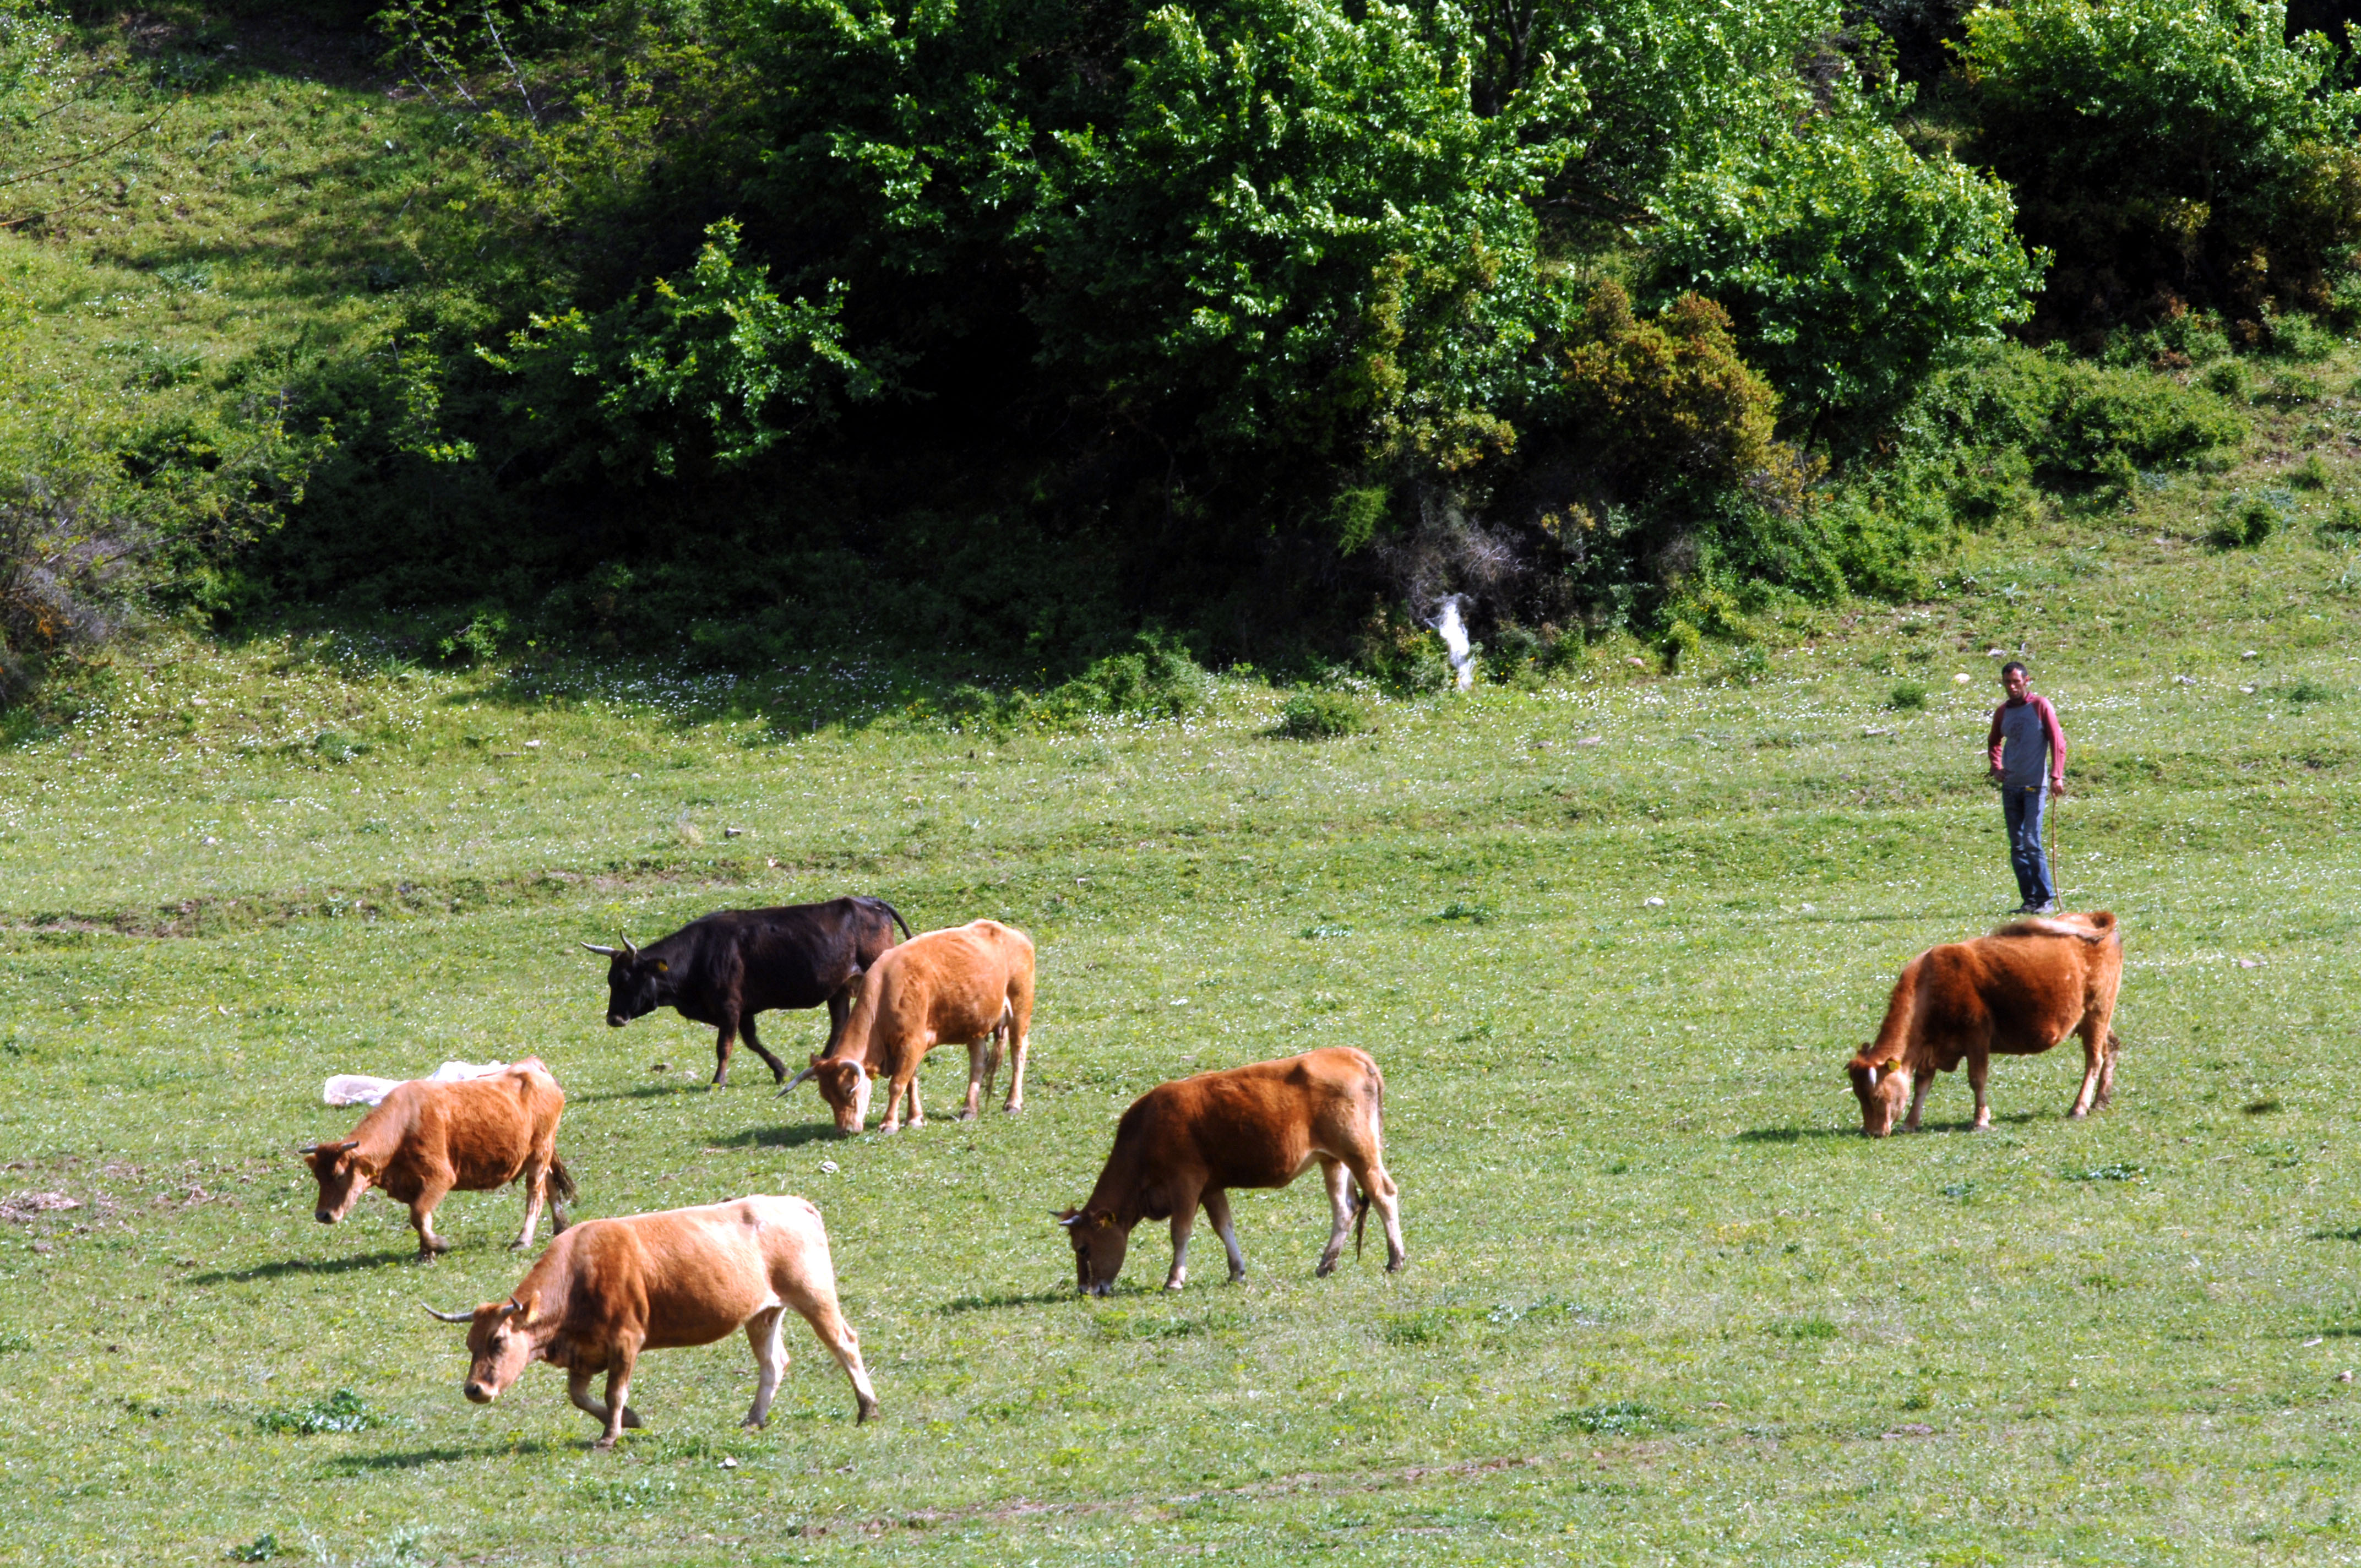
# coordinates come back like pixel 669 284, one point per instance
pixel 1659 1305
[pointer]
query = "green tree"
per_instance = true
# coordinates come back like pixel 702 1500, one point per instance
pixel 714 368
pixel 2169 150
pixel 1298 237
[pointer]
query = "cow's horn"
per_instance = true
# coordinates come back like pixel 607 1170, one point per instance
pixel 450 1317
pixel 1070 1221
pixel 602 953
pixel 309 1148
pixel 793 1081
pixel 630 951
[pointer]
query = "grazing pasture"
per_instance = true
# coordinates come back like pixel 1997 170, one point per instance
pixel 1664 1303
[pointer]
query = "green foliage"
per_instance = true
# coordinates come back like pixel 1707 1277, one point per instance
pixel 343 1411
pixel 261 1548
pixel 2169 150
pixel 1851 262
pixel 713 369
pixel 2072 419
pixel 2245 522
pixel 1907 697
pixel 1317 714
pixel 1236 250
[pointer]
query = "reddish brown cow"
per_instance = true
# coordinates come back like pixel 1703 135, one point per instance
pixel 2015 992
pixel 607 1289
pixel 1189 1143
pixel 971 985
pixel 426 1140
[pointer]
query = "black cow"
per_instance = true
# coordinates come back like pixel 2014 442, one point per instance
pixel 724 968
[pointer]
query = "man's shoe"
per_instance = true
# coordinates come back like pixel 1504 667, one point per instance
pixel 2048 908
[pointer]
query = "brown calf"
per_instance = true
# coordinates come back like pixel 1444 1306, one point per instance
pixel 607 1289
pixel 2015 992
pixel 426 1140
pixel 971 985
pixel 1189 1141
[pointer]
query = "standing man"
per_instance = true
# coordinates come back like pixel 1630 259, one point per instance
pixel 2028 761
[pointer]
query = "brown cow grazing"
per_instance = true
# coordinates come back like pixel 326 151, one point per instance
pixel 1189 1141
pixel 607 1289
pixel 426 1140
pixel 2015 992
pixel 971 985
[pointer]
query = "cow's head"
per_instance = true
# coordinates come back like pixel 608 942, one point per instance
pixel 501 1345
pixel 636 985
pixel 342 1179
pixel 844 1084
pixel 1099 1246
pixel 1883 1089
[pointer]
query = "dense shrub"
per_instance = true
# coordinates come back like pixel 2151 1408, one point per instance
pixel 2245 520
pixel 1315 714
pixel 1850 262
pixel 2169 150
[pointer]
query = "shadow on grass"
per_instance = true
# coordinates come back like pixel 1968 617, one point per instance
pixel 1792 1134
pixel 793 1137
pixel 959 1304
pixel 2350 1235
pixel 352 1464
pixel 303 1265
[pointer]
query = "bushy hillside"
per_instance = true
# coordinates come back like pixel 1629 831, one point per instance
pixel 1003 335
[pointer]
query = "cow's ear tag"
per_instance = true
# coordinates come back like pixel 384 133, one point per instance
pixel 663 968
pixel 1103 1220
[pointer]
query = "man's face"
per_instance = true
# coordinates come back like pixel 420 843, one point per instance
pixel 2012 683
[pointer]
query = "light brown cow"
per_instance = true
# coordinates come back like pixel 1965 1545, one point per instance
pixel 2015 992
pixel 1189 1141
pixel 607 1289
pixel 426 1140
pixel 971 985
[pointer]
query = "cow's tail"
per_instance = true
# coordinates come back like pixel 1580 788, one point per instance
pixel 1360 1217
pixel 897 917
pixel 562 1189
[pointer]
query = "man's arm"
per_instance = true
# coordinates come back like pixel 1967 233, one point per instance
pixel 1992 741
pixel 2056 744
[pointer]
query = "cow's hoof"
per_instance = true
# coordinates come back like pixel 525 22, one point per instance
pixel 604 1445
pixel 889 1128
pixel 1239 1278
pixel 1396 1265
pixel 868 1412
pixel 754 1423
pixel 967 1116
pixel 1013 1110
pixel 1327 1267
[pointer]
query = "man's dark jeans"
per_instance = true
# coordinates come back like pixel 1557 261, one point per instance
pixel 2023 803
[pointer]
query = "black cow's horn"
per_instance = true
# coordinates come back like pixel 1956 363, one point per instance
pixel 630 951
pixel 450 1317
pixel 602 953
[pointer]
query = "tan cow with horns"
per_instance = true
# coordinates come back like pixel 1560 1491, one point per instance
pixel 608 1290
pixel 1189 1142
pixel 2017 992
pixel 970 985
pixel 426 1140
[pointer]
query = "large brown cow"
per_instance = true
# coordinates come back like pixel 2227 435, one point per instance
pixel 607 1289
pixel 971 985
pixel 1189 1141
pixel 2015 992
pixel 426 1140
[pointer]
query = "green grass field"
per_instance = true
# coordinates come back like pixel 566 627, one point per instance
pixel 1663 1305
